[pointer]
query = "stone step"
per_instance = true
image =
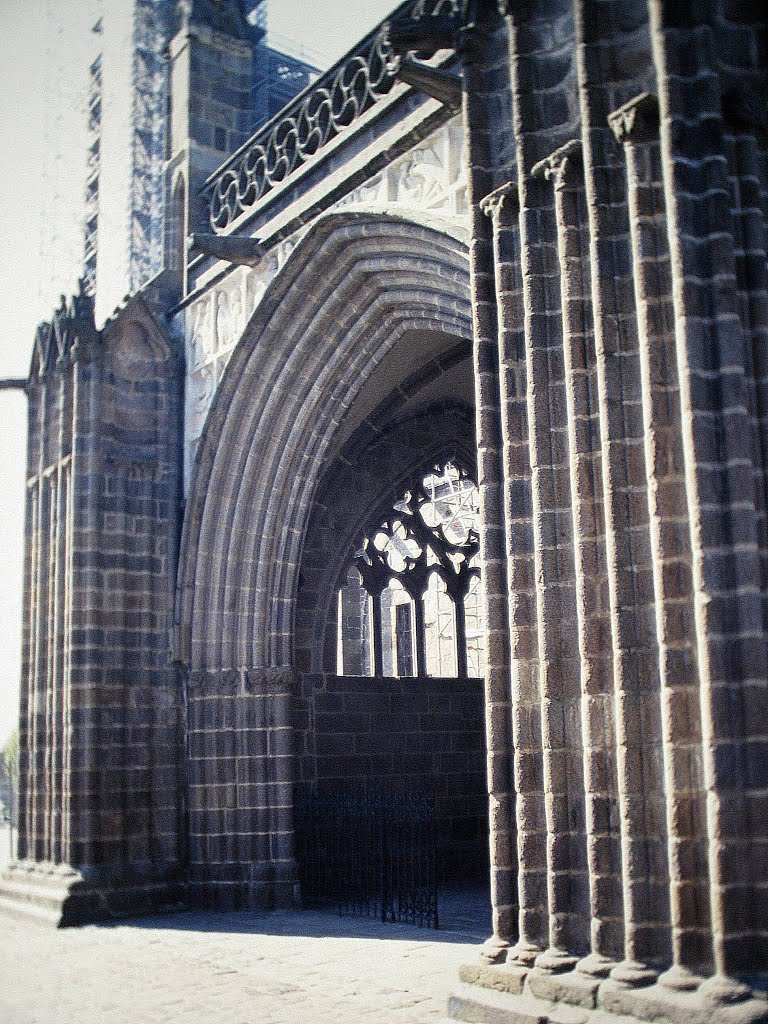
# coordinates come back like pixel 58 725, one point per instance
pixel 29 912
pixel 473 1004
pixel 39 892
pixel 476 1005
pixel 35 895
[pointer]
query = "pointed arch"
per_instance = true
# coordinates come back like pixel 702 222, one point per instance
pixel 356 288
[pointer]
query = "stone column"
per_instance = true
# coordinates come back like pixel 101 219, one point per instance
pixel 539 91
pixel 58 646
pixel 719 460
pixel 39 545
pixel 598 43
pixel 746 148
pixel 636 126
pixel 479 54
pixel 502 205
pixel 564 169
pixel 83 683
pixel 23 809
pixel 28 776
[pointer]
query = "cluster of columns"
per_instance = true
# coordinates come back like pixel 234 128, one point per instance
pixel 620 317
pixel 100 717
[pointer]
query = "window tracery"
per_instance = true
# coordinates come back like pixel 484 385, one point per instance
pixel 411 601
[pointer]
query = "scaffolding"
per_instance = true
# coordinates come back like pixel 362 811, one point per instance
pixel 93 166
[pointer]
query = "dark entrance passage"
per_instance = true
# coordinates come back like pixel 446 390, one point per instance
pixel 369 854
pixel 392 807
pixel 412 750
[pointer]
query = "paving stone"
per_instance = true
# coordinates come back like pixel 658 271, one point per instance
pixel 195 968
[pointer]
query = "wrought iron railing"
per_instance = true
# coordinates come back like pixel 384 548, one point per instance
pixel 316 116
pixel 369 854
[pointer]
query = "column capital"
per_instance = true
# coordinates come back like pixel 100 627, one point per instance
pixel 504 199
pixel 637 120
pixel 555 166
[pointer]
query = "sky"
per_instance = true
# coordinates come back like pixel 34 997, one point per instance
pixel 41 171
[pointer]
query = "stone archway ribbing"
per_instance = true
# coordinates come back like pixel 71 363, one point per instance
pixel 355 287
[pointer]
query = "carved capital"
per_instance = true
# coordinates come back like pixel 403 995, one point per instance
pixel 555 167
pixel 503 200
pixel 637 120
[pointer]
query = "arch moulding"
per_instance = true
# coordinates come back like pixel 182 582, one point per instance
pixel 356 287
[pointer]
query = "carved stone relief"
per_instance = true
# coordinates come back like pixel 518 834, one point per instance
pixel 432 177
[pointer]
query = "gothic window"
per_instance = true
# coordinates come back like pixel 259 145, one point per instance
pixel 410 605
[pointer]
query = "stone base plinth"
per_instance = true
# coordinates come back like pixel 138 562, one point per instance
pixel 506 994
pixel 224 896
pixel 57 895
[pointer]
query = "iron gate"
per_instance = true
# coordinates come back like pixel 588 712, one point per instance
pixel 369 854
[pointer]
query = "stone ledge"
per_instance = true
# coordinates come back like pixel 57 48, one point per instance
pixel 61 897
pixel 506 994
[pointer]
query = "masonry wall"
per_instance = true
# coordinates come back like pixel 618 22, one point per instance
pixel 240 772
pixel 101 710
pixel 394 735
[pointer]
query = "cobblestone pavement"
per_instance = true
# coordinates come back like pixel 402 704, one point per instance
pixel 204 968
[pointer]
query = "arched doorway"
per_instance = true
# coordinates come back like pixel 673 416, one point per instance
pixel 392 706
pixel 367 327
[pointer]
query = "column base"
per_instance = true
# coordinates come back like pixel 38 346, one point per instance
pixel 494 950
pixel 57 895
pixel 510 994
pixel 632 974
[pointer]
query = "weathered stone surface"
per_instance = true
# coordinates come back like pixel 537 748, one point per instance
pixel 576 305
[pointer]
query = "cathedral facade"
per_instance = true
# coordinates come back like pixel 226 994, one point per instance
pixel 435 457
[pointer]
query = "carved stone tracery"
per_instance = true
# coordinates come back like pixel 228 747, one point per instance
pixel 432 529
pixel 317 116
pixel 425 545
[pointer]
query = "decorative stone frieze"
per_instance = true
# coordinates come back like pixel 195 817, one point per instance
pixel 429 178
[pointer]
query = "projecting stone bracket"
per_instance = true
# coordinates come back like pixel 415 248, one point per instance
pixel 440 85
pixel 230 248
